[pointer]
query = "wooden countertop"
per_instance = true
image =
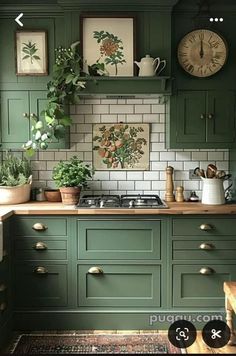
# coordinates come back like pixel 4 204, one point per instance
pixel 46 208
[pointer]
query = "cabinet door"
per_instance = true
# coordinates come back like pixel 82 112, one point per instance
pixel 15 127
pixel 193 289
pixel 38 103
pixel 221 117
pixel 191 120
pixel 120 286
pixel 45 289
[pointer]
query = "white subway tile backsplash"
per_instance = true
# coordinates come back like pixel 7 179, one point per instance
pixel 138 110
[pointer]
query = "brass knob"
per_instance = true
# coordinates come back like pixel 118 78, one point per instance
pixel 95 270
pixel 32 114
pixel 205 227
pixel 206 271
pixel 206 246
pixel 210 116
pixel 202 116
pixel 25 114
pixel 3 306
pixel 39 227
pixel 3 287
pixel 40 246
pixel 40 270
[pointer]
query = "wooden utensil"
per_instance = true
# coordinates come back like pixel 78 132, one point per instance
pixel 211 171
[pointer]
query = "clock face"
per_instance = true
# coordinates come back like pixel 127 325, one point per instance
pixel 202 53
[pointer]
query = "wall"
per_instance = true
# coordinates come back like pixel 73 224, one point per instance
pixel 95 110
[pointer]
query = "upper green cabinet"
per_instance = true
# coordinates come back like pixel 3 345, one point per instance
pixel 17 108
pixel 202 119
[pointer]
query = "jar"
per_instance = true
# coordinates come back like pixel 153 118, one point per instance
pixel 39 194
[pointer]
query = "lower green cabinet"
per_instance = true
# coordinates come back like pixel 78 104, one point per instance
pixel 119 286
pixel 200 285
pixel 40 285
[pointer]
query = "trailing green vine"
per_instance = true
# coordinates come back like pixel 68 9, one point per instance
pixel 64 88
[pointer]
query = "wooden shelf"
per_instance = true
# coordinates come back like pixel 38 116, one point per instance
pixel 127 86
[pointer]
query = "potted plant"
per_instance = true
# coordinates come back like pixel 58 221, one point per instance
pixel 15 180
pixel 70 177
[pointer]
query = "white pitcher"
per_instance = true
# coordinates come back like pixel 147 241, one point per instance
pixel 213 191
pixel 148 67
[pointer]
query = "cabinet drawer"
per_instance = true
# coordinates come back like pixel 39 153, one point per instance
pixel 193 289
pixel 213 226
pixel 120 286
pixel 32 289
pixel 119 239
pixel 50 226
pixel 35 249
pixel 204 249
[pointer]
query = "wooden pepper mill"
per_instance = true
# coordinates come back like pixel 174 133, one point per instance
pixel 169 196
pixel 179 194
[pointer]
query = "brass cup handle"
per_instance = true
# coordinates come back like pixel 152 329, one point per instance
pixel 206 271
pixel 206 246
pixel 3 287
pixel 40 246
pixel 40 270
pixel 95 270
pixel 205 227
pixel 3 306
pixel 39 227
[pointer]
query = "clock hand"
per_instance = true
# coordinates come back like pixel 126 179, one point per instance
pixel 201 50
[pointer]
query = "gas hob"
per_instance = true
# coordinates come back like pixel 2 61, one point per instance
pixel 122 202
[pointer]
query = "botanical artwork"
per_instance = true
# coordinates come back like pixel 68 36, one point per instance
pixel 31 53
pixel 121 146
pixel 108 42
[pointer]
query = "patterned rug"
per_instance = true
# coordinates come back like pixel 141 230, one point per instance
pixel 54 344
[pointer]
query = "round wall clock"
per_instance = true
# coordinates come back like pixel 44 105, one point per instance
pixel 202 52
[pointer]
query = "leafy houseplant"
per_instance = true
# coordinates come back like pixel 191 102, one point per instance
pixel 64 88
pixel 70 177
pixel 15 180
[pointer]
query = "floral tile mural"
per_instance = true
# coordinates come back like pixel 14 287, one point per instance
pixel 121 146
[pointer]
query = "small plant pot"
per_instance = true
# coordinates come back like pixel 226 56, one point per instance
pixel 53 195
pixel 70 195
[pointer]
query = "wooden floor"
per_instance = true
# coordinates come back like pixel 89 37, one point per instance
pixel 199 347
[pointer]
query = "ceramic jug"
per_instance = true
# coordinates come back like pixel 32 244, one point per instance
pixel 213 191
pixel 148 67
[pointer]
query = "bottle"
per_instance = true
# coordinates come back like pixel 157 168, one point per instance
pixel 193 197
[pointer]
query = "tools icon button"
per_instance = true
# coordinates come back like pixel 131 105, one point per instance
pixel 216 333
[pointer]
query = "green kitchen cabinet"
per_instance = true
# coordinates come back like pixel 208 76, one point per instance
pixel 126 240
pixel 202 119
pixel 119 286
pixel 17 109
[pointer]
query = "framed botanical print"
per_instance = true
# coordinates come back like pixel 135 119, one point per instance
pixel 109 40
pixel 121 146
pixel 31 53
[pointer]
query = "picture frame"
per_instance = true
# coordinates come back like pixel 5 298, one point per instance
pixel 109 39
pixel 121 146
pixel 31 53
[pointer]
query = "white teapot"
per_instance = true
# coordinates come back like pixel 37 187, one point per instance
pixel 148 66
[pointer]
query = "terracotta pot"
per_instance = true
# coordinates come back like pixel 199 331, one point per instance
pixel 53 195
pixel 70 195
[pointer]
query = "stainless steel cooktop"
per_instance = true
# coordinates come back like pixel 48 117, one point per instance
pixel 138 201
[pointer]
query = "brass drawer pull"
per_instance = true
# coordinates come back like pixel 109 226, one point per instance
pixel 3 287
pixel 206 246
pixel 95 270
pixel 40 270
pixel 3 306
pixel 206 271
pixel 39 227
pixel 40 246
pixel 205 227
